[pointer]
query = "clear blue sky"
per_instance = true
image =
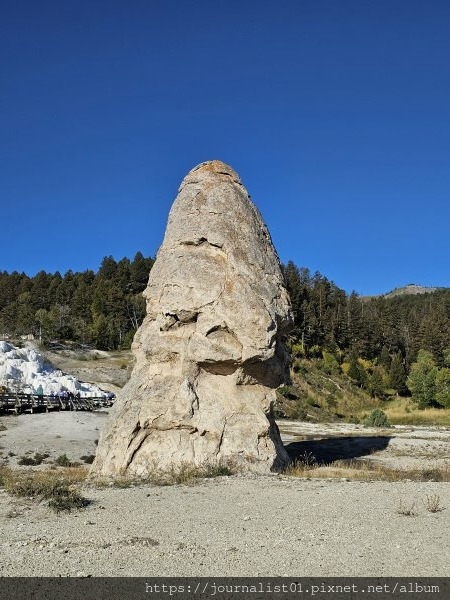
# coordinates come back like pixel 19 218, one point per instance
pixel 335 113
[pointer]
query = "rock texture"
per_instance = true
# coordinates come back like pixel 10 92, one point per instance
pixel 210 351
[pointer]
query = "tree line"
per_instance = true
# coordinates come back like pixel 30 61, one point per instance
pixel 398 343
pixel 101 309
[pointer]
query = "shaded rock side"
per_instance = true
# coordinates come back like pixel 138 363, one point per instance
pixel 210 351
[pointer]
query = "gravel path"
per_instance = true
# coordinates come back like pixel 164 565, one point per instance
pixel 232 526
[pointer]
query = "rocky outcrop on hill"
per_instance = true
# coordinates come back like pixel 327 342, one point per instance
pixel 211 351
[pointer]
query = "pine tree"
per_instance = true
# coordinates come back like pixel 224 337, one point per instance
pixel 357 372
pixel 139 271
pixel 397 375
pixel 385 358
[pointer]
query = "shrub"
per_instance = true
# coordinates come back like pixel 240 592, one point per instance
pixel 310 401
pixel 433 503
pixel 298 351
pixel 26 461
pixel 354 419
pixel 298 367
pixel 46 485
pixel 329 363
pixel 314 351
pixel 63 461
pixel 88 458
pixel 331 401
pixel 407 510
pixel 36 460
pixel 377 418
pixel 66 498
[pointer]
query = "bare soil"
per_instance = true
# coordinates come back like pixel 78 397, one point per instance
pixel 399 447
pixel 73 433
pixel 108 370
pixel 233 526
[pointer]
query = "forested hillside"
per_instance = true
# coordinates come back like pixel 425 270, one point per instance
pixel 396 344
pixel 326 318
pixel 101 309
pixel 387 345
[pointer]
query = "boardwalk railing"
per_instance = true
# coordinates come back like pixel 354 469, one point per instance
pixel 18 403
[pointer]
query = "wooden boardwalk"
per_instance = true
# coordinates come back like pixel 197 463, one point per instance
pixel 18 403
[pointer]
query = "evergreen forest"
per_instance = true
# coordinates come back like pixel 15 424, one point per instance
pixel 383 345
pixel 391 344
pixel 101 309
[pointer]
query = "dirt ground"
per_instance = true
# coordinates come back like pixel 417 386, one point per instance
pixel 232 526
pixel 75 434
pixel 108 370
pixel 402 446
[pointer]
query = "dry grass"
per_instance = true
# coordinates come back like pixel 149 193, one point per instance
pixel 433 503
pixel 59 487
pixel 359 470
pixel 402 411
pixel 188 474
pixel 407 510
pixel 185 474
pixel 72 475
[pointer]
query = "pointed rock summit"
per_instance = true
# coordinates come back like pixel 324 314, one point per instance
pixel 210 352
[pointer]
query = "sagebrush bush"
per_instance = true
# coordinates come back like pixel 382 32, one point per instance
pixel 377 418
pixel 66 498
pixel 64 461
pixel 36 460
pixel 26 461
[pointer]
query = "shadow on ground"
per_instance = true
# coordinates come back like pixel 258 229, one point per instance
pixel 328 450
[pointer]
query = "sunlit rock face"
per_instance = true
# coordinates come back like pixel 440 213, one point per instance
pixel 210 352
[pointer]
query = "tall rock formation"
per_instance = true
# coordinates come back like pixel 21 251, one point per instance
pixel 210 351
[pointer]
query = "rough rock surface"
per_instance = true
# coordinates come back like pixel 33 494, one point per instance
pixel 210 351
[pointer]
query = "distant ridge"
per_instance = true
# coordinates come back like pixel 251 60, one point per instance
pixel 411 288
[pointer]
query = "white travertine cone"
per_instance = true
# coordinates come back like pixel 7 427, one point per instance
pixel 210 352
